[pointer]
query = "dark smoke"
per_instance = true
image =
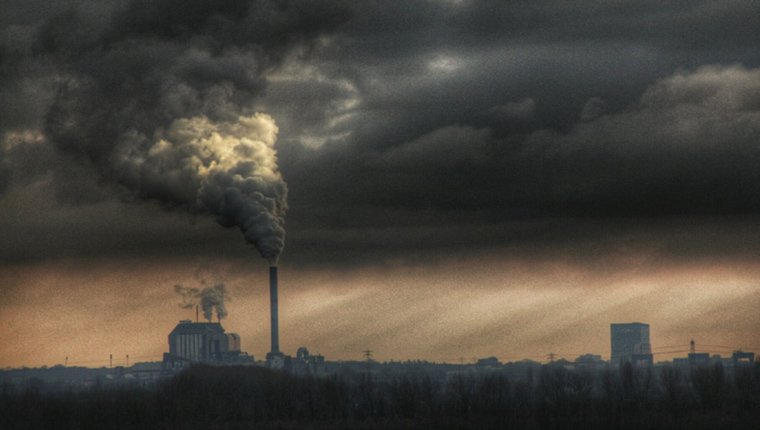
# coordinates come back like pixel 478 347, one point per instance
pixel 159 99
pixel 208 298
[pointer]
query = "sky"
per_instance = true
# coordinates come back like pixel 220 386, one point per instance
pixel 436 179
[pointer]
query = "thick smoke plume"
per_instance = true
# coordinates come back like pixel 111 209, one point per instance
pixel 208 298
pixel 226 168
pixel 158 96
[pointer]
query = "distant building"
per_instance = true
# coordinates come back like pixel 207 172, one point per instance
pixel 205 342
pixel 741 358
pixel 699 358
pixel 589 360
pixel 489 361
pixel 305 363
pixel 144 372
pixel 630 342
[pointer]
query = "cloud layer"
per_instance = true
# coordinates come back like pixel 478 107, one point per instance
pixel 425 120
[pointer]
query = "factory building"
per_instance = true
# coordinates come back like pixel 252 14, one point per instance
pixel 203 342
pixel 305 363
pixel 630 342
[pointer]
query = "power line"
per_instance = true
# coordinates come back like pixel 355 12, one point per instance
pixel 670 352
pixel 720 346
pixel 368 356
pixel 109 360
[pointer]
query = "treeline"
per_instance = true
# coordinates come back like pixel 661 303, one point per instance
pixel 552 397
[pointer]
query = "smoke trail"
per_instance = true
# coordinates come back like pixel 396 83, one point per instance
pixel 226 168
pixel 189 296
pixel 209 298
pixel 159 98
pixel 213 298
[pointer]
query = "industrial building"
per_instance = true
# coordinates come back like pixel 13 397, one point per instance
pixel 305 363
pixel 630 343
pixel 203 342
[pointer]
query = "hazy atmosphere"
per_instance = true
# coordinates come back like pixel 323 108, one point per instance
pixel 437 180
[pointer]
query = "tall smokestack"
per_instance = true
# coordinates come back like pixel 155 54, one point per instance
pixel 273 309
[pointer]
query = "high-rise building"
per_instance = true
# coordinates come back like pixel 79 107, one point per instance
pixel 630 342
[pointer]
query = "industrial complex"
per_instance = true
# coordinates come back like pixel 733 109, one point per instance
pixel 207 343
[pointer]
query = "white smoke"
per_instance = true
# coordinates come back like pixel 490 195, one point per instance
pixel 228 169
pixel 208 298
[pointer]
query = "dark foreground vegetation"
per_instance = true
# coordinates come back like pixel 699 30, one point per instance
pixel 211 398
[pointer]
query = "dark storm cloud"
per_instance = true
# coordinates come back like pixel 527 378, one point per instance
pixel 462 118
pixel 687 146
pixel 156 98
pixel 400 28
pixel 559 53
pixel 410 126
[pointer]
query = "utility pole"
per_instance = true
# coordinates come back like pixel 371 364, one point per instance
pixel 66 361
pixel 368 357
pixel 110 360
pixel 551 357
pixel 693 347
pixel 127 360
